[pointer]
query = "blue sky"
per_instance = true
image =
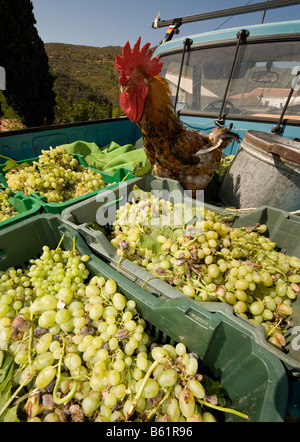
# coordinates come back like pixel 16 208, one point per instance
pixel 113 22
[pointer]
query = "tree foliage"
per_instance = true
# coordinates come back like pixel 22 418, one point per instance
pixel 29 84
pixel 85 82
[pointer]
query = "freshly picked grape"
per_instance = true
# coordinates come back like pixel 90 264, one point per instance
pixel 73 348
pixel 56 175
pixel 208 260
pixel 6 209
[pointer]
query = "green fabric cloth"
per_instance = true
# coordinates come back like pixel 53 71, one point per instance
pixel 111 157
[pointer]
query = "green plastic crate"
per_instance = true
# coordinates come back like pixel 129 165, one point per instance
pixel 51 207
pixel 24 205
pixel 255 380
pixel 282 228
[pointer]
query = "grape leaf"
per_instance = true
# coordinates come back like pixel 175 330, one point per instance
pixel 149 240
pixel 6 373
pixel 4 370
pixel 172 233
pixel 141 170
pixel 214 388
pixel 12 164
pixel 9 165
pixel 6 376
pixel 10 415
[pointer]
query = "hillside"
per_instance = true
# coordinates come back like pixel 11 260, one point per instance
pixel 84 73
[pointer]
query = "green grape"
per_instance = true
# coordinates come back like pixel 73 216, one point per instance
pixel 281 289
pixel 186 403
pixel 213 270
pixel 241 284
pixel 151 389
pixel 47 318
pixel 130 325
pixel 120 391
pixel 295 262
pixel 65 294
pixel 240 307
pixel 62 316
pixel 295 278
pixel 21 357
pixel 137 374
pixel 173 410
pixel 267 314
pixel 110 287
pixel 160 354
pixel 67 326
pixel 208 417
pixel 92 290
pixel 45 377
pixel 113 343
pixel 180 349
pixel 96 311
pixel 270 303
pixel 167 378
pixel 196 388
pixel 256 307
pixel 43 360
pixel 76 309
pixel 191 366
pixel 241 295
pixel 113 377
pixel 110 400
pixel 91 403
pixel 189 291
pixel 119 301
pixel 72 361
pixel 142 363
pixel 119 365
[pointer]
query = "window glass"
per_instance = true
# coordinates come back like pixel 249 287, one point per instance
pixel 259 87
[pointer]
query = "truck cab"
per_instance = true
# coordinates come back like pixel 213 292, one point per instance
pixel 248 77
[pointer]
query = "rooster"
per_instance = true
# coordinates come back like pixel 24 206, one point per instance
pixel 175 152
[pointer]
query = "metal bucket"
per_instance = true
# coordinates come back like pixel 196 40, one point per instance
pixel 264 171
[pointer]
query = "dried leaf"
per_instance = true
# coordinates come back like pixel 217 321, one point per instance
pixel 121 333
pixel 295 287
pixel 280 338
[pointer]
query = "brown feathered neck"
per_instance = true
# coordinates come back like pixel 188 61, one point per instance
pixel 158 115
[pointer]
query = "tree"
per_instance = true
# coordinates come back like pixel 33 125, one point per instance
pixel 29 84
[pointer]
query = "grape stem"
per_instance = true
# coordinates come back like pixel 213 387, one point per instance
pixel 152 412
pixel 74 245
pixel 140 391
pixel 30 345
pixel 69 396
pixel 61 240
pixel 15 394
pixel 7 158
pixel 224 409
pixel 127 175
pixel 121 257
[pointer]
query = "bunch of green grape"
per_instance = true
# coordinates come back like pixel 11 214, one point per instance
pixel 210 261
pixel 6 209
pixel 83 353
pixel 56 175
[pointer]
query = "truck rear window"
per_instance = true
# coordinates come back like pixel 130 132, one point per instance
pixel 260 85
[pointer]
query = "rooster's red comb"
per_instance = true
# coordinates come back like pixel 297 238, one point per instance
pixel 126 63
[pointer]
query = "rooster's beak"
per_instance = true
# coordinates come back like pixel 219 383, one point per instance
pixel 125 88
